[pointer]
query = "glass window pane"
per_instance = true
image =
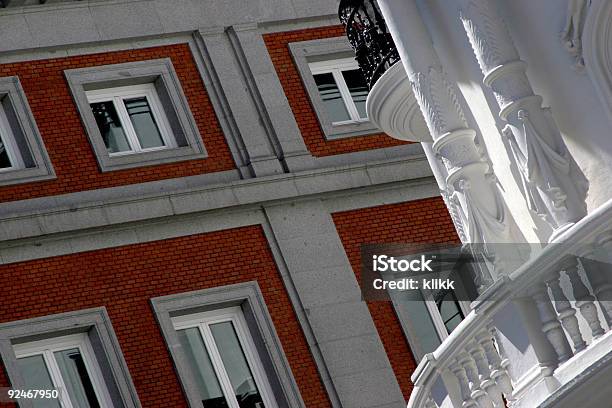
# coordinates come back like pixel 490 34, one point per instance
pixel 76 378
pixel 144 123
pixel 450 311
pixel 411 306
pixel 202 368
pixel 5 161
pixel 359 90
pixel 330 94
pixel 110 127
pixel 36 376
pixel 236 365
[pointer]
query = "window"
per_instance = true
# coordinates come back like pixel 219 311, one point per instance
pixel 427 317
pixel 10 157
pixel 450 309
pixel 135 114
pixel 225 349
pixel 67 364
pixel 130 119
pixel 335 85
pixel 76 353
pixel 342 88
pixel 223 359
pixel 23 157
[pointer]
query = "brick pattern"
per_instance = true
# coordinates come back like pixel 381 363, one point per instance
pixel 419 221
pixel 124 279
pixel 306 118
pixel 69 149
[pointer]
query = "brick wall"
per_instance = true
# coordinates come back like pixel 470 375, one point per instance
pixel 64 136
pixel 124 279
pixel 420 221
pixel 299 101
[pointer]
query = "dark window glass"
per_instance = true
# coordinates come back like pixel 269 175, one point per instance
pixel 5 161
pixel 110 127
pixel 359 90
pixel 76 378
pixel 332 99
pixel 144 123
pixel 450 310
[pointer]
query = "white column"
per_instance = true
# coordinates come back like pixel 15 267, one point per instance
pixel 556 188
pixel 470 183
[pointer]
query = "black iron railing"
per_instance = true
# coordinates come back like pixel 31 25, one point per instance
pixel 367 32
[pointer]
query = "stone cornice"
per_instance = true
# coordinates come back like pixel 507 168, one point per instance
pixel 99 208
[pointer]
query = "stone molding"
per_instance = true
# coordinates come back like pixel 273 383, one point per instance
pixel 392 106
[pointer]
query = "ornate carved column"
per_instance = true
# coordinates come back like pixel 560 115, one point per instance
pixel 471 185
pixel 555 187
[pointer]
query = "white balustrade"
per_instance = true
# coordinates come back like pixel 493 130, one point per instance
pixel 569 304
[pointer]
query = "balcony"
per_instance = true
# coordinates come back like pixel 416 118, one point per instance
pixel 539 335
pixel 391 104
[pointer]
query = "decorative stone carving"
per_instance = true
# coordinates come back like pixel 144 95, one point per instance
pixel 438 101
pixel 571 36
pixel 486 220
pixel 546 174
pixel 555 186
pixel 473 191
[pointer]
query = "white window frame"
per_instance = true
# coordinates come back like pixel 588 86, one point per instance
pixel 336 67
pixel 117 95
pixel 10 144
pixel 80 341
pixel 202 321
pixel 436 317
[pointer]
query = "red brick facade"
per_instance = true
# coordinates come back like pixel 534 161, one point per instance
pixel 425 221
pixel 124 279
pixel 64 136
pixel 306 118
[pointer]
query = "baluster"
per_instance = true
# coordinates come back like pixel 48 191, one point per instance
pixel 464 386
pixel 498 367
pixel 487 384
pixel 602 287
pixel 551 326
pixel 600 277
pixel 584 300
pixel 476 392
pixel 566 314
